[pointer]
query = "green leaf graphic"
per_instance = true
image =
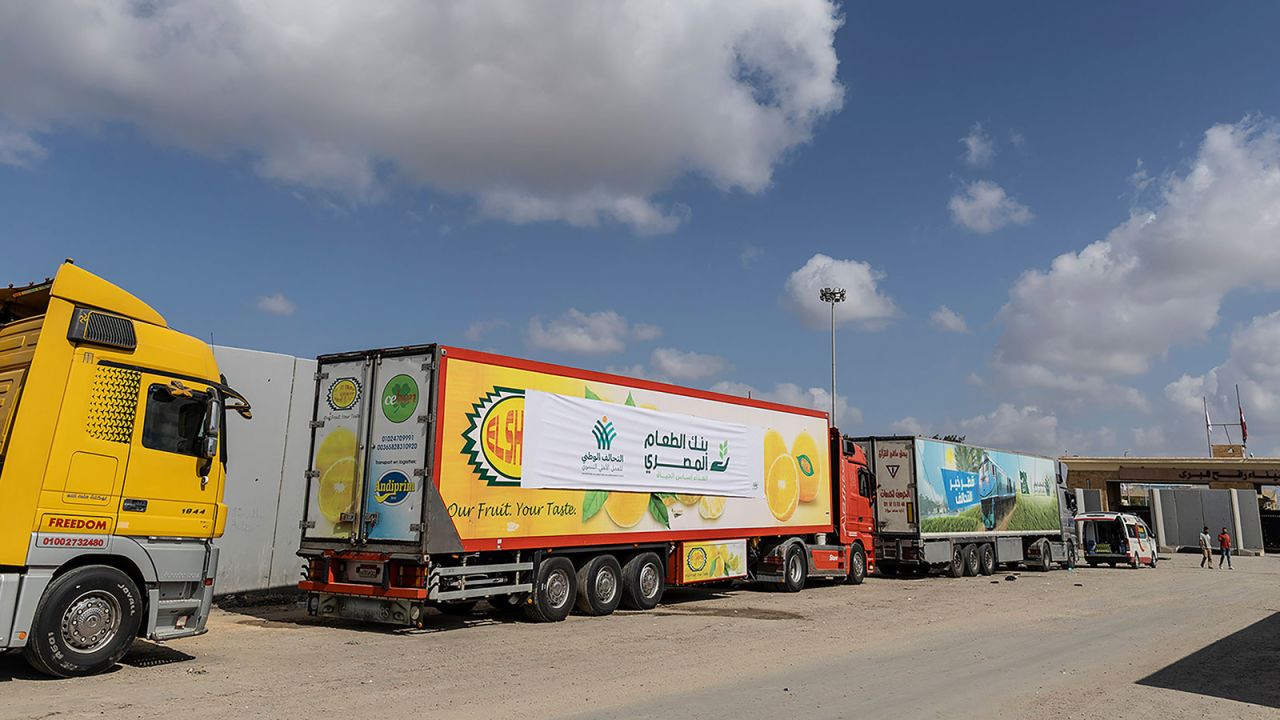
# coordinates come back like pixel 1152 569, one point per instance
pixel 724 449
pixel 631 402
pixel 714 566
pixel 658 510
pixel 590 395
pixel 592 502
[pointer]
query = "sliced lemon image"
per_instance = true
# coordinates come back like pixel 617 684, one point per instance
pixel 626 509
pixel 338 489
pixel 805 451
pixel 339 444
pixel 782 487
pixel 711 507
pixel 774 445
pixel 689 499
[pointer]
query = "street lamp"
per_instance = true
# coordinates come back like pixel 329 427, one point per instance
pixel 832 295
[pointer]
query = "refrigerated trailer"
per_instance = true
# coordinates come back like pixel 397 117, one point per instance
pixel 966 510
pixel 440 476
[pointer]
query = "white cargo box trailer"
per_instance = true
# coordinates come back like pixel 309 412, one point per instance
pixel 966 510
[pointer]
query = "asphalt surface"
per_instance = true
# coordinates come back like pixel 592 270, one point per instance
pixel 1172 642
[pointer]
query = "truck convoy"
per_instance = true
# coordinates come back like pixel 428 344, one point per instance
pixel 440 476
pixel 111 473
pixel 964 509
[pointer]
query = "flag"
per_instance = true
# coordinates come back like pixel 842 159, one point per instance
pixel 1244 429
pixel 1208 424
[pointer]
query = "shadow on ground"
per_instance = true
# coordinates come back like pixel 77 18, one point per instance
pixel 1241 666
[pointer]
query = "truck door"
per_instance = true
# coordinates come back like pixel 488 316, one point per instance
pixel 857 488
pixel 170 490
pixel 335 472
pixel 396 463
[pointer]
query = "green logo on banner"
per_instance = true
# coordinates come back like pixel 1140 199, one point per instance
pixel 400 398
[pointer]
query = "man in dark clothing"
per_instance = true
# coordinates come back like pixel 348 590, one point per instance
pixel 1224 548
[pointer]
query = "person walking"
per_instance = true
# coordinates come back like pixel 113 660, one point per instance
pixel 1206 559
pixel 1224 548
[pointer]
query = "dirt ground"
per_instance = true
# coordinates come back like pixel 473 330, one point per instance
pixel 1173 642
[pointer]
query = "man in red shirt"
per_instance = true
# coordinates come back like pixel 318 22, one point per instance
pixel 1224 548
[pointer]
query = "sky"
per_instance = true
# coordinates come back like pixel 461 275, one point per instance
pixel 1059 226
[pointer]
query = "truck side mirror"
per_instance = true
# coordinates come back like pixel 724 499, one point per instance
pixel 212 426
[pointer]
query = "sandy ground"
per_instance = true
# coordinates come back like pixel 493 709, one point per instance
pixel 1173 642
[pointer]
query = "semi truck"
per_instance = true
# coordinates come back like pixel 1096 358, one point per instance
pixel 440 476
pixel 112 468
pixel 964 509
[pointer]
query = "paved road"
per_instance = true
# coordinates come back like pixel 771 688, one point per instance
pixel 1174 642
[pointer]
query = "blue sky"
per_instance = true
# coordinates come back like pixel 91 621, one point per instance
pixel 196 195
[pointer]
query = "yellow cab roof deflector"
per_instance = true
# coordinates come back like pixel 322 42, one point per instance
pixel 84 288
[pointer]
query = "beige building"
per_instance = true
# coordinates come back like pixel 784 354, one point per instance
pixel 1108 474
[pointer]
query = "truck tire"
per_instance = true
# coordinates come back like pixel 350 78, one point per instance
pixel 643 582
pixel 986 559
pixel 971 560
pixel 599 585
pixel 794 569
pixel 554 589
pixel 955 568
pixel 857 565
pixel 1045 564
pixel 84 622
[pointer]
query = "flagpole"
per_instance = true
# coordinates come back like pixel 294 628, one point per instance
pixel 1244 430
pixel 1207 424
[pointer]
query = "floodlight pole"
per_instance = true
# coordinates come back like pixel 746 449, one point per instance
pixel 832 296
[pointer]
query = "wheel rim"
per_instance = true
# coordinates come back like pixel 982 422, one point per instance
pixel 606 586
pixel 91 621
pixel 859 565
pixel 558 588
pixel 649 580
pixel 793 570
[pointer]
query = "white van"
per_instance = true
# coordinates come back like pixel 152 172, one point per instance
pixel 1112 538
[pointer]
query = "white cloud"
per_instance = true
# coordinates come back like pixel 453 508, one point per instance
pixel 1024 428
pixel 948 320
pixel 575 112
pixel 750 253
pixel 1253 363
pixel 791 394
pixel 478 330
pixel 983 207
pixel 682 366
pixel 276 304
pixel 864 306
pixel 908 426
pixel 19 148
pixel 978 148
pixel 598 332
pixel 1158 279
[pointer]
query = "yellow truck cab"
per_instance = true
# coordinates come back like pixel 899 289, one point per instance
pixel 112 464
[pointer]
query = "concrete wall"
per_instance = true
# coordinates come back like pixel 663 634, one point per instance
pixel 267 460
pixel 1180 514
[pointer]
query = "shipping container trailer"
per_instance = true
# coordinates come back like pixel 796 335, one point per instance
pixel 965 509
pixel 440 476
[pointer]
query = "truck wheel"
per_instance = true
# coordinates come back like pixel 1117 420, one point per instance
pixel 986 559
pixel 599 585
pixel 857 565
pixel 1073 555
pixel 971 560
pixel 1046 559
pixel 554 589
pixel 643 582
pixel 85 621
pixel 794 571
pixel 956 568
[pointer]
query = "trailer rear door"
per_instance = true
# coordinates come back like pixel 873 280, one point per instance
pixel 334 473
pixel 895 467
pixel 395 465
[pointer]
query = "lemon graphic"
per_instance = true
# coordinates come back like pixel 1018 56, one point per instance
pixel 805 451
pixel 689 499
pixel 711 507
pixel 782 487
pixel 339 444
pixel 668 500
pixel 626 509
pixel 338 489
pixel 774 445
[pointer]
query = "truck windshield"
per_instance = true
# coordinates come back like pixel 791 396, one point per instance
pixel 173 424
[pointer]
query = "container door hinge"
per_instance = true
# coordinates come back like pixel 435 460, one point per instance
pixel 419 472
pixel 415 527
pixel 426 418
pixel 347 517
pixel 311 474
pixel 317 424
pixel 427 365
pixel 321 376
pixel 306 524
pixel 371 519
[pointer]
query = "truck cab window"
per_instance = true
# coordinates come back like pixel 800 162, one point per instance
pixel 864 483
pixel 173 424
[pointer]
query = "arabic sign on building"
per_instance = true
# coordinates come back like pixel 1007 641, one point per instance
pixel 579 444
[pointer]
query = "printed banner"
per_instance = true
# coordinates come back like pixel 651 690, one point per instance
pixel 967 489
pixel 579 444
